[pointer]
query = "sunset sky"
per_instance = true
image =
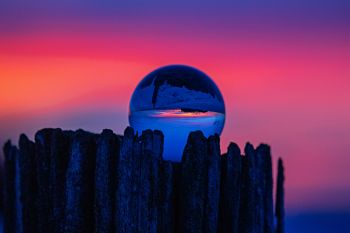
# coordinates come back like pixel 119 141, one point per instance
pixel 282 67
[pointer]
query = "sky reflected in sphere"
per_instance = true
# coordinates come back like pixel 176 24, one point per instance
pixel 177 99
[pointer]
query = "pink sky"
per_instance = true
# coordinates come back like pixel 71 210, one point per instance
pixel 285 87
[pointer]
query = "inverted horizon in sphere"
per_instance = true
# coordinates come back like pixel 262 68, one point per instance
pixel 177 99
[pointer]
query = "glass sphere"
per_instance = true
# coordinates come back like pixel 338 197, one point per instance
pixel 177 99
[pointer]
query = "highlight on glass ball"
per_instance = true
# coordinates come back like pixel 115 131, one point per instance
pixel 177 99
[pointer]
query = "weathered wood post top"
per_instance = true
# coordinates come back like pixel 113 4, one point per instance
pixel 77 181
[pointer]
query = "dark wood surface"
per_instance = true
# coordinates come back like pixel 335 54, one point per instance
pixel 76 181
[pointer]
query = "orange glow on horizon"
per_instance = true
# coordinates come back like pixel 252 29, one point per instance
pixel 178 113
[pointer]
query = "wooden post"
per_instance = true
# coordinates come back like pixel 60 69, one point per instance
pixel 28 186
pixel 166 217
pixel 10 210
pixel 150 157
pixel 230 189
pixel 247 213
pixel 212 199
pixel 59 159
pixel 82 182
pixel 79 210
pixel 193 183
pixel 263 153
pixel 124 193
pixel 44 197
pixel 280 198
pixel 108 147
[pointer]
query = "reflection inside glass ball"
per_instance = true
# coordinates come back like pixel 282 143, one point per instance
pixel 177 99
